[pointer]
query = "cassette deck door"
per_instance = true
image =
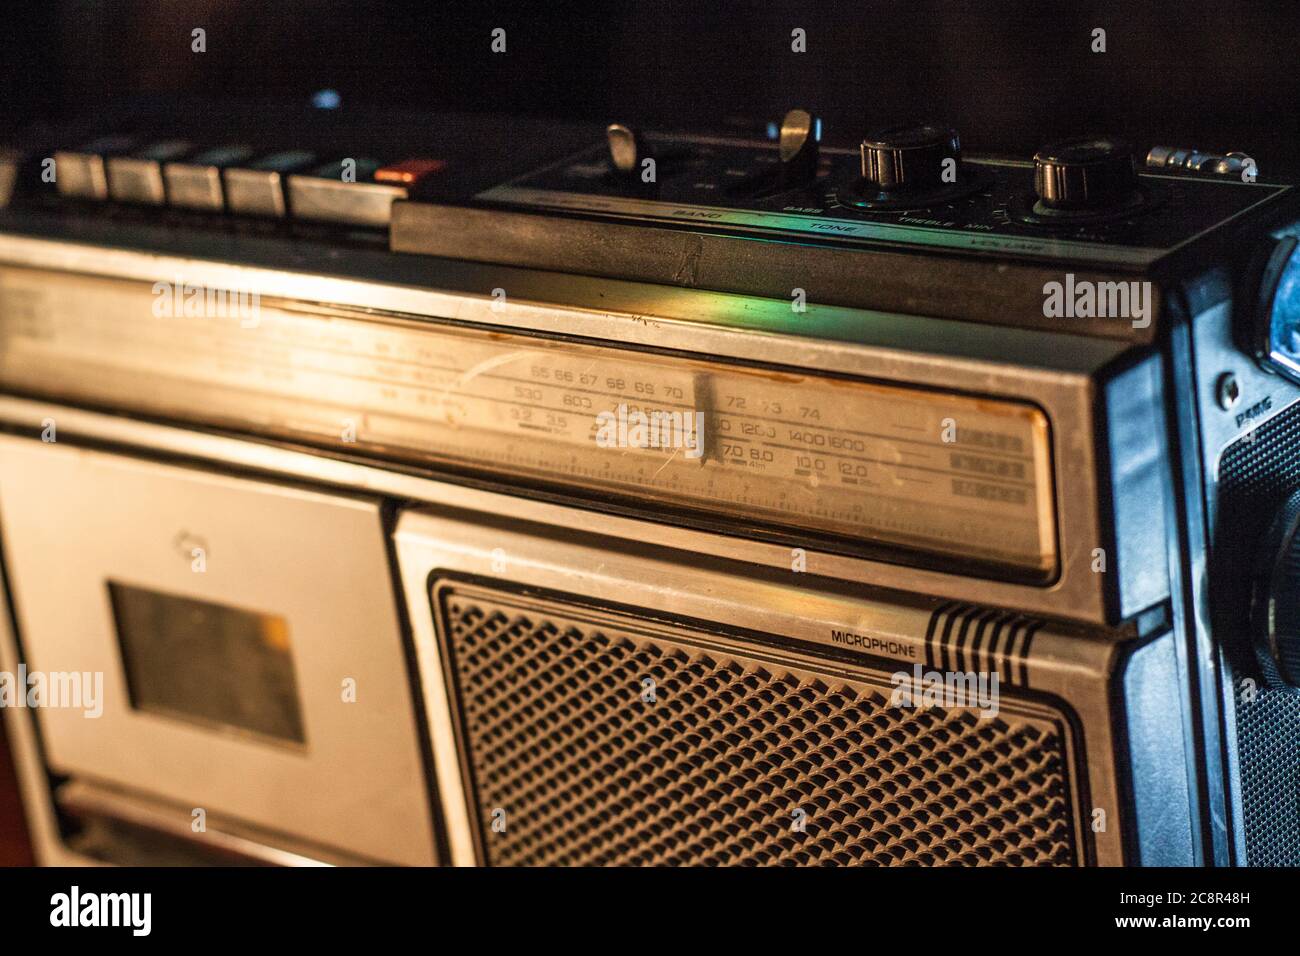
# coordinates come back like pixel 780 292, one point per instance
pixel 251 657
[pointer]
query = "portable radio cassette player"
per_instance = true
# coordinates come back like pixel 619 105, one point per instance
pixel 463 491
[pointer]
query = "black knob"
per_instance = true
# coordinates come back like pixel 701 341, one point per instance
pixel 910 157
pixel 1085 173
pixel 799 151
pixel 1275 598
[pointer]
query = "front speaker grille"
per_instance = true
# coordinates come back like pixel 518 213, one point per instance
pixel 593 741
pixel 1256 474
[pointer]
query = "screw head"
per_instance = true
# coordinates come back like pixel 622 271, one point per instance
pixel 1228 390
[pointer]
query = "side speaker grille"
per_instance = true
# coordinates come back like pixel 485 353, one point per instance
pixel 736 761
pixel 1255 477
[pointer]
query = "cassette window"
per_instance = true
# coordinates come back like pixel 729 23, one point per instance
pixel 208 663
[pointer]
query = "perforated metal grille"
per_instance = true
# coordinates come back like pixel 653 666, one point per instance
pixel 734 762
pixel 1255 476
pixel 1268 735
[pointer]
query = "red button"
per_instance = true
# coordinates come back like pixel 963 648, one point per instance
pixel 409 172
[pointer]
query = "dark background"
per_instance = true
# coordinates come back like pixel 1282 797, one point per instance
pixel 1010 76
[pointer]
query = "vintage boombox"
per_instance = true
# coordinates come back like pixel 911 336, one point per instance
pixel 461 491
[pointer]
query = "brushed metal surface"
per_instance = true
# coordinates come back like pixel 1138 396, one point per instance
pixel 318 561
pixel 1052 372
pixel 657 586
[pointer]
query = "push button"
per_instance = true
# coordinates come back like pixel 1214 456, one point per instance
pixel 25 172
pixel 10 162
pixel 196 182
pixel 138 178
pixel 82 173
pixel 345 191
pixel 258 189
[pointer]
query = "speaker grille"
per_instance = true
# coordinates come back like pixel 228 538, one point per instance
pixel 562 748
pixel 1255 477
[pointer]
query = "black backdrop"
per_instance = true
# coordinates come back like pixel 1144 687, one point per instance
pixel 1216 75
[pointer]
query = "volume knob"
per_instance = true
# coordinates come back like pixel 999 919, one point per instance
pixel 1085 173
pixel 910 157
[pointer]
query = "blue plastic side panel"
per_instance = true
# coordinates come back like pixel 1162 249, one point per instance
pixel 1152 702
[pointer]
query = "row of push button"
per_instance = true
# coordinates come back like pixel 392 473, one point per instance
pixel 356 191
